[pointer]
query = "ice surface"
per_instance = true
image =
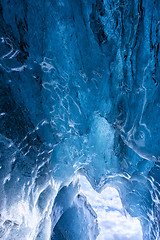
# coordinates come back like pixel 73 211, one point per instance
pixel 79 94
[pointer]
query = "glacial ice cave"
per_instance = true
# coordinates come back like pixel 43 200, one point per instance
pixel 79 114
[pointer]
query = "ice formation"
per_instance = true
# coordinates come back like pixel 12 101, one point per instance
pixel 79 94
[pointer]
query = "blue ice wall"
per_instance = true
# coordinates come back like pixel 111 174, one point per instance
pixel 79 93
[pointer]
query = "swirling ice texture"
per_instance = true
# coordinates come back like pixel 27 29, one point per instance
pixel 79 92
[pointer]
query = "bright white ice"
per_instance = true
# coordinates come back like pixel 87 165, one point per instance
pixel 114 223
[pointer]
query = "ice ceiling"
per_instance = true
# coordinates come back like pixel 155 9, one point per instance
pixel 79 95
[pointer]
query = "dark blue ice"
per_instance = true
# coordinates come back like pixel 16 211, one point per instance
pixel 79 94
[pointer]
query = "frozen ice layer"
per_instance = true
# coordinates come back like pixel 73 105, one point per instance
pixel 79 94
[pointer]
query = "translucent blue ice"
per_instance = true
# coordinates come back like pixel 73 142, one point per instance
pixel 79 94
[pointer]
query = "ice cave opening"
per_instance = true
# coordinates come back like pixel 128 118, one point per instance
pixel 113 220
